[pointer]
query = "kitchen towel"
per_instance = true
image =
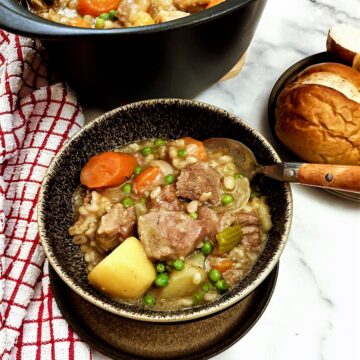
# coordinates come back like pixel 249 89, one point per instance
pixel 36 118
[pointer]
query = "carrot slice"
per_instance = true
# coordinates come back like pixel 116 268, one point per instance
pixel 145 179
pixel 213 3
pixel 223 265
pixel 96 7
pixel 201 152
pixel 107 169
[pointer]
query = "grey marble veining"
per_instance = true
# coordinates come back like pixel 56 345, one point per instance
pixel 315 311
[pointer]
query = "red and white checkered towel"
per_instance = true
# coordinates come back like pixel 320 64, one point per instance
pixel 35 121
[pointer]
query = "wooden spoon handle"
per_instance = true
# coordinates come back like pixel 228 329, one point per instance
pixel 341 177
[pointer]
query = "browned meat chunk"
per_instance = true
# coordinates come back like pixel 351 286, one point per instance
pixel 115 226
pixel 250 226
pixel 168 235
pixel 214 222
pixel 166 200
pixel 198 179
pixel 210 221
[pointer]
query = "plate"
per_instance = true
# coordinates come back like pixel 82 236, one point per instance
pixel 121 338
pixel 285 79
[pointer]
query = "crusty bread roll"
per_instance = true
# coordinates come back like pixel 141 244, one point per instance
pixel 344 41
pixel 318 115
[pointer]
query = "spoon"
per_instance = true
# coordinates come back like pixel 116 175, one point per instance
pixel 340 177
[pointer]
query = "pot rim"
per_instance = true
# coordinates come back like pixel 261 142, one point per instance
pixel 17 19
pixel 159 316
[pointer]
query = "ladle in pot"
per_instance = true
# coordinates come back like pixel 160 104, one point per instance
pixel 339 177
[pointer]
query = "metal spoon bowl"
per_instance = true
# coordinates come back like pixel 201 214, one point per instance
pixel 340 177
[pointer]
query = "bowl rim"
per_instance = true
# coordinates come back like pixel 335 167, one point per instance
pixel 36 26
pixel 211 308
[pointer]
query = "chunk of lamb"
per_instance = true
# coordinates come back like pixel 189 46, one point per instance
pixel 199 181
pixel 168 235
pixel 115 226
pixel 251 240
pixel 214 222
pixel 167 200
pixel 250 226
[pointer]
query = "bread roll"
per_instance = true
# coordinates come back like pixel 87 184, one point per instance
pixel 318 115
pixel 344 41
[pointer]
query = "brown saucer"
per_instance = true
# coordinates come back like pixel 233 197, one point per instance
pixel 121 338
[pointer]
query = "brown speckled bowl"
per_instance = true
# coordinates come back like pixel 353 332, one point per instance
pixel 165 118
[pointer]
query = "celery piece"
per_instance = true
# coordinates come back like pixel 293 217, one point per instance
pixel 229 238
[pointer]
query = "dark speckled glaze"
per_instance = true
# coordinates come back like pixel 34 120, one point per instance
pixel 126 339
pixel 166 118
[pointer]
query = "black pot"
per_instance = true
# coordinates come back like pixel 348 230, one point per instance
pixel 179 58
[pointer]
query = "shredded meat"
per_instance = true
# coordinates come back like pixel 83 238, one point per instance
pixel 250 226
pixel 166 200
pixel 198 179
pixel 168 235
pixel 115 226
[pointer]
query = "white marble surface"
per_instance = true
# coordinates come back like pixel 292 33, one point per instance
pixel 315 310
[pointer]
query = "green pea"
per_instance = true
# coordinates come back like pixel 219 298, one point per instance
pixel 178 265
pixel 160 268
pixel 146 151
pixel 162 280
pixel 197 297
pixel 206 249
pixel 206 287
pixel 182 153
pixel 112 15
pixel 194 215
pixel 159 142
pixel 238 176
pixel 104 16
pixel 126 188
pixel 149 300
pixel 227 199
pixel 127 202
pixel 99 23
pixel 169 179
pixel 214 275
pixel 137 170
pixel 221 285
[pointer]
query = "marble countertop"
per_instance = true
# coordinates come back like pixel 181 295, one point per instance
pixel 315 310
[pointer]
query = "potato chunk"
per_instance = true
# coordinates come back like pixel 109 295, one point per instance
pixel 125 273
pixel 187 281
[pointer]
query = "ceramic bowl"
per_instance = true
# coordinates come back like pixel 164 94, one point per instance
pixel 164 118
